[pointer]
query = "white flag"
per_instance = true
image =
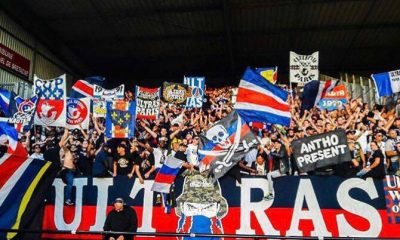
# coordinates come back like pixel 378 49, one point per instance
pixel 304 68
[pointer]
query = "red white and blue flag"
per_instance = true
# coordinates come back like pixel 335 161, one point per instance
pixel 225 144
pixel 167 174
pixel 314 91
pixel 51 110
pixel 23 185
pixel 260 101
pixel 8 136
pixel 84 88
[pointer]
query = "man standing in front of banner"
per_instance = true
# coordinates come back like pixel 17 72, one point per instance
pixel 121 219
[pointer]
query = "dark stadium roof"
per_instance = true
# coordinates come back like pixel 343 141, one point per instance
pixel 155 40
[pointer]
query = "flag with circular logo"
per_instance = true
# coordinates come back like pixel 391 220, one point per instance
pixel 78 111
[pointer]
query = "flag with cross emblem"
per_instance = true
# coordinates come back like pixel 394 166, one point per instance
pixel 120 119
pixel 51 110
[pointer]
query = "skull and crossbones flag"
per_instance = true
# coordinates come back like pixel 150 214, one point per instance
pixel 304 68
pixel 224 144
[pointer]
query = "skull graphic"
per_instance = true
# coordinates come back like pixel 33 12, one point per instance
pixel 219 135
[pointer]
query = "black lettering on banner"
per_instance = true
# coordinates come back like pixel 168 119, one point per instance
pixel 321 150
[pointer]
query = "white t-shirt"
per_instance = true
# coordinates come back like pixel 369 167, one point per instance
pixel 37 156
pixel 160 155
pixel 191 154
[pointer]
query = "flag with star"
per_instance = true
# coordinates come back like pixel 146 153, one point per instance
pixel 120 119
pixel 51 104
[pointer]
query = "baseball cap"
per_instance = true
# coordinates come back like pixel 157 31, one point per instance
pixel 119 200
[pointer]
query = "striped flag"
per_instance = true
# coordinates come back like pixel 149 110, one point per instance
pixel 260 101
pixel 167 174
pixel 314 91
pixel 5 101
pixel 23 184
pixel 82 87
pixel 9 136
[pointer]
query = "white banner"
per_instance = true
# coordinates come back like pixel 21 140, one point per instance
pixel 78 113
pixel 303 68
pixel 50 109
pixel 108 94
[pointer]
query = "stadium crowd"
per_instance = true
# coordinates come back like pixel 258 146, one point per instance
pixel 373 136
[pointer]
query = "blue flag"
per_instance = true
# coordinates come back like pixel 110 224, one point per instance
pixel 22 112
pixel 314 91
pixel 387 83
pixel 120 119
pixel 6 100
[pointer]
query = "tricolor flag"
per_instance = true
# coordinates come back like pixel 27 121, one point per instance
pixel 314 91
pixel 167 174
pixel 8 136
pixel 23 184
pixel 84 88
pixel 5 98
pixel 260 101
pixel 387 83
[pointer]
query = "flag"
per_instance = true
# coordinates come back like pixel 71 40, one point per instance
pixel 5 101
pixel 10 135
pixel 167 174
pixel 23 185
pixel 109 94
pixel 314 91
pixel 304 68
pixel 225 144
pixel 78 112
pixel 148 103
pixel 334 99
pixel 269 73
pixel 197 84
pixel 260 101
pixel 387 83
pixel 84 88
pixel 120 119
pixel 51 110
pixel 22 111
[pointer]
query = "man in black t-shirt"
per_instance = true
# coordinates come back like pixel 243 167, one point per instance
pixel 144 165
pixel 123 162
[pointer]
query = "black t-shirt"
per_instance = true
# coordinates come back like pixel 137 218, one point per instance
pixel 181 155
pixel 53 155
pixel 124 163
pixel 145 164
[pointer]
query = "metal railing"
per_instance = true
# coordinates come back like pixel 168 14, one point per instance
pixel 187 235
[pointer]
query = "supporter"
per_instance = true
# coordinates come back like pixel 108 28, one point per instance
pixel 121 219
pixel 191 151
pixel 37 152
pixel 103 162
pixel 123 162
pixel 69 168
pixel 144 165
pixel 391 151
pixel 260 165
pixel 375 163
